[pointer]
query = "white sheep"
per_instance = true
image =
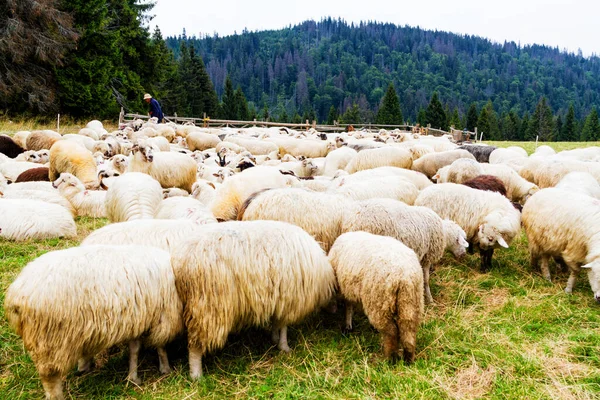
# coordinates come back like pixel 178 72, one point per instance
pixel 517 188
pixel 382 157
pixel 565 224
pixel 488 218
pixel 185 208
pixel 391 187
pixel 133 196
pixel 88 203
pixel 429 164
pixel 198 140
pixel 459 171
pixel 304 168
pixel 580 182
pixel 302 147
pixel 253 145
pixel 204 191
pixel 34 185
pixel 338 159
pixel 228 281
pixel 69 305
pixel 384 277
pixel 23 219
pixel 66 156
pixel 12 169
pixel 417 178
pixel 42 195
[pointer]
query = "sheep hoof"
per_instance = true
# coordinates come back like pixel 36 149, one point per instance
pixel 347 329
pixel 137 380
pixel 285 349
pixel 568 290
pixel 548 279
pixel 165 370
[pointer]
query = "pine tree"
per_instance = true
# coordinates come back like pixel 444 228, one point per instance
pixel 228 105
pixel 568 132
pixel 488 122
pixel 284 117
pixel 422 117
pixel 541 123
pixel 389 112
pixel 332 115
pixel 558 127
pixel 472 118
pixel 455 120
pixel 435 114
pixel 165 87
pixel 352 115
pixel 591 127
pixel 524 131
pixel 241 105
pixel 511 126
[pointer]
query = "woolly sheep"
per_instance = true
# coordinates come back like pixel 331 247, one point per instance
pixel 83 141
pixel 479 151
pixel 170 169
pixel 23 219
pixel 304 168
pixel 580 182
pixel 45 186
pixel 12 169
pixel 382 157
pixel 39 140
pixel 429 164
pixel 201 141
pixel 489 219
pixel 487 182
pixel 20 138
pixel 565 224
pixel 459 171
pixel 384 277
pixel 419 228
pixel 231 195
pixel 517 188
pixel 185 208
pixel 160 142
pixel 254 146
pixel 69 305
pixel 87 203
pixel 229 146
pixel 546 172
pixel 500 155
pixel 29 156
pixel 204 191
pixel 308 148
pixel 391 187
pixel 227 281
pixel 174 192
pixel 133 196
pixel 119 163
pixel 318 184
pixel 417 178
pixel 543 151
pixel 338 159
pixel 92 134
pixel 41 195
pixel 9 147
pixel 69 157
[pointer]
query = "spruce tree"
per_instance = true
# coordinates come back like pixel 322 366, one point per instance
pixel 524 131
pixel 241 105
pixel 435 114
pixel 591 127
pixel 389 112
pixel 568 132
pixel 352 115
pixel 165 88
pixel 455 120
pixel 488 122
pixel 332 115
pixel 422 117
pixel 472 117
pixel 228 105
pixel 541 124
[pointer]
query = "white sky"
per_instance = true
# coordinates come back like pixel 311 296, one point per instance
pixel 568 24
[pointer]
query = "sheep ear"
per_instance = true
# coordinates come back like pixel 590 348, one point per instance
pixel 463 242
pixel 212 185
pixel 502 242
pixel 587 265
pixel 217 175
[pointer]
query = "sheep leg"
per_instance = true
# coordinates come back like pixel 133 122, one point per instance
pixel 283 343
pixel 545 269
pixel 572 277
pixel 428 297
pixel 534 261
pixel 163 361
pixel 134 351
pixel 52 386
pixel 559 261
pixel 349 313
pixel 84 364
pixel 195 363
pixel 390 341
pixel 486 259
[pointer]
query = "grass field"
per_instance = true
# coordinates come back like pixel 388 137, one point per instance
pixel 507 334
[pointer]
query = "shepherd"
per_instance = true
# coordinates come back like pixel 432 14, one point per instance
pixel 155 110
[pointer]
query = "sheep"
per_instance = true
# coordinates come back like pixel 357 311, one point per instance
pixel 107 177
pixel 166 131
pixel 338 159
pixel 23 219
pixel 185 208
pixel 382 157
pixel 384 277
pixel 175 192
pixel 418 150
pixel 133 196
pixel 489 219
pixel 12 169
pixel 69 305
pixel 29 156
pixel 160 142
pixel 254 146
pixel 20 138
pixel 308 148
pixel 204 191
pixel 228 281
pixel 459 171
pixel 83 141
pixel 109 147
pixel 88 132
pixel 70 157
pixel 214 174
pixel 487 182
pixel 39 140
pixel 564 224
pixel 170 169
pixel 201 141
pixel 304 168
pixel 119 163
pixel 545 172
pixel 231 195
pixel 517 188
pixel 479 151
pixel 36 185
pixel 229 146
pixel 419 228
pixel 543 151
pixel 318 184
pixel 34 174
pixel 320 214
pixel 580 182
pixel 417 178
pixel 9 148
pixel 166 234
pixel 392 187
pixel 41 195
pixel 88 203
pixel 429 164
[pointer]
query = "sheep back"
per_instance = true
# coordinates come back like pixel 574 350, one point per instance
pixel 34 174
pixel 9 147
pixel 68 156
pixel 23 219
pixel 133 195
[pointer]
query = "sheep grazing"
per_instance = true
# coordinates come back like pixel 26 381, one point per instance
pixel 479 151
pixel 34 174
pixel 384 277
pixel 88 203
pixel 302 147
pixel 166 234
pixel 517 188
pixel 565 224
pixel 429 164
pixel 39 140
pixel 459 171
pixel 202 141
pixel 580 182
pixel 381 157
pixel 23 219
pixel 489 219
pixel 487 182
pixel 66 156
pixel 418 179
pixel 69 305
pixel 9 148
pixel 185 208
pixel 133 196
pixel 231 195
pixel 391 187
pixel 170 169
pixel 320 214
pixel 227 281
pixel 419 228
pixel 253 145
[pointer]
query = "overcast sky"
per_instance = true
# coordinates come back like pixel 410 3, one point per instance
pixel 568 24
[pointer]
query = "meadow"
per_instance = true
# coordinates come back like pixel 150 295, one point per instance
pixel 506 334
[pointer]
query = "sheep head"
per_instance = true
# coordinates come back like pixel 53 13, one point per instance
pixel 456 238
pixel 593 270
pixel 68 181
pixel 145 152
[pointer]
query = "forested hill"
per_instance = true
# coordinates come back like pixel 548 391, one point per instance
pixel 331 62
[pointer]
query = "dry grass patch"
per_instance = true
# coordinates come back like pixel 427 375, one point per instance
pixel 472 382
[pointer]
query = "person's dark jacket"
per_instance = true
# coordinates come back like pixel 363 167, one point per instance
pixel 155 110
